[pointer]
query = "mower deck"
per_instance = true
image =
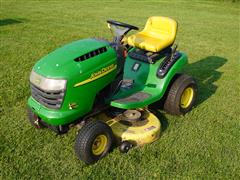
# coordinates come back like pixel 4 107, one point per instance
pixel 139 131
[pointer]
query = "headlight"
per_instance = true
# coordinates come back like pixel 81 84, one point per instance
pixel 47 83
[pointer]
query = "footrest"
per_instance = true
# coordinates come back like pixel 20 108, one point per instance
pixel 137 97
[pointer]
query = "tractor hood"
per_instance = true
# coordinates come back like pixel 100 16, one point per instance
pixel 60 63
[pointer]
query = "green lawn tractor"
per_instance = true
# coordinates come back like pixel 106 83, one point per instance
pixel 106 87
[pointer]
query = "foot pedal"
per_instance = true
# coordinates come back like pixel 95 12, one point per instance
pixel 127 83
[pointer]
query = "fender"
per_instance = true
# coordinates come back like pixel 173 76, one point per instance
pixel 170 71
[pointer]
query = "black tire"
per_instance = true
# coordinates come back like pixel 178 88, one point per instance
pixel 86 137
pixel 125 146
pixel 34 119
pixel 181 84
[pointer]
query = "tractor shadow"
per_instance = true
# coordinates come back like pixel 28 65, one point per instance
pixel 163 120
pixel 206 73
pixel 4 22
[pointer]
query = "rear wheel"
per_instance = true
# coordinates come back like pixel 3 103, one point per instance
pixel 181 96
pixel 93 141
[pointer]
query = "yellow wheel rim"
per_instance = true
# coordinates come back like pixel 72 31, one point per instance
pixel 99 144
pixel 187 97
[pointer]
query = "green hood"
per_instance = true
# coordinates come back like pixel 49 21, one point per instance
pixel 60 63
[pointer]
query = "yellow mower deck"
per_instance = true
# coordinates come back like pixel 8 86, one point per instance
pixel 138 133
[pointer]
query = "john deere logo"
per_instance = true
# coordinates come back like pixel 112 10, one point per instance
pixel 104 71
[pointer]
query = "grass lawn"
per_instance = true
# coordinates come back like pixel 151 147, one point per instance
pixel 203 143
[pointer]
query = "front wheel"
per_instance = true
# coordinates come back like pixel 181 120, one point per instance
pixel 34 119
pixel 181 96
pixel 93 141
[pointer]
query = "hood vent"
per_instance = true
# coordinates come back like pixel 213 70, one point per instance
pixel 91 54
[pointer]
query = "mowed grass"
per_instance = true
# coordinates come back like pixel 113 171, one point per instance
pixel 204 143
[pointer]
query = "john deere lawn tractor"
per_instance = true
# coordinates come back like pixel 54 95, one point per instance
pixel 106 87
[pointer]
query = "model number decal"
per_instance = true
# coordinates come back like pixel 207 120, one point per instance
pixel 150 128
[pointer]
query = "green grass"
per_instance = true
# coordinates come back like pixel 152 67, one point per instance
pixel 204 143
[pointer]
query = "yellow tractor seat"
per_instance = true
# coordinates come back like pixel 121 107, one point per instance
pixel 159 33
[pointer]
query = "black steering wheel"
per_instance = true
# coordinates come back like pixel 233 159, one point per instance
pixel 117 23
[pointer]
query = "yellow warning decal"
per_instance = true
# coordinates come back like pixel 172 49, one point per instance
pixel 104 71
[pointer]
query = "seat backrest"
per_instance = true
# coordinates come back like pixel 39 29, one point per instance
pixel 161 27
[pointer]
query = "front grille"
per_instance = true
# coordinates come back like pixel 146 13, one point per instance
pixel 50 99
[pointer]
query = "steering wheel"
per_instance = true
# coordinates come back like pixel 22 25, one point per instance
pixel 117 23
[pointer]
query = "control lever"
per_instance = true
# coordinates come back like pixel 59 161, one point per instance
pixel 168 62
